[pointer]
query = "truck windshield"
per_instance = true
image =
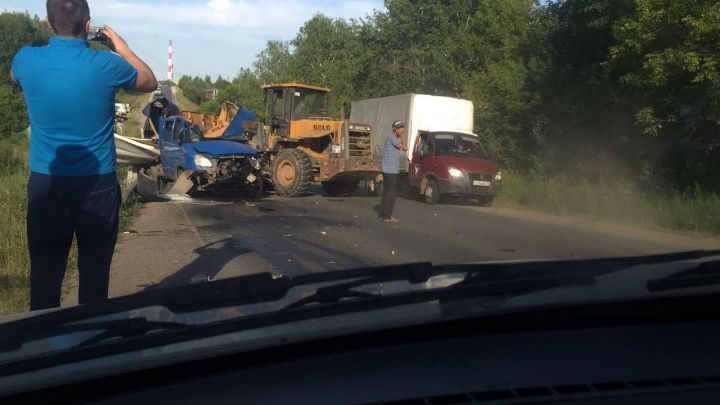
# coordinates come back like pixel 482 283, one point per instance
pixel 310 103
pixel 448 144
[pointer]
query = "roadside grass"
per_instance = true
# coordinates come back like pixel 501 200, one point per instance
pixel 14 258
pixel 135 120
pixel 693 212
pixel 183 102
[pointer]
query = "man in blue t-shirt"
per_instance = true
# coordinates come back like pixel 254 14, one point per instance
pixel 395 145
pixel 73 189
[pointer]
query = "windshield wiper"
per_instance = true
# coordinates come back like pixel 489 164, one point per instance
pixel 492 279
pixel 338 292
pixel 484 279
pixel 118 328
pixel 706 273
pixel 249 289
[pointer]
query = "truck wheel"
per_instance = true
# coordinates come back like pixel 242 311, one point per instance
pixel 432 192
pixel 292 173
pixel 339 188
pixel 485 201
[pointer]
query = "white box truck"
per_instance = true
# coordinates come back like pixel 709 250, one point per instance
pixel 444 156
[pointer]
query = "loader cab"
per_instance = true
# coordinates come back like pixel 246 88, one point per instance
pixel 289 102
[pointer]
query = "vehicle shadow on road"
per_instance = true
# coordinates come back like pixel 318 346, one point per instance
pixel 456 201
pixel 211 259
pixel 460 201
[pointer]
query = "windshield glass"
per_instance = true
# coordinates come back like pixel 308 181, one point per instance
pixel 309 102
pixel 459 145
pixel 185 144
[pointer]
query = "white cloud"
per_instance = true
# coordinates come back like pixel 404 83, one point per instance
pixel 227 32
pixel 271 16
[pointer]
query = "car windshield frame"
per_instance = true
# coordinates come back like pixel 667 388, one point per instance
pixel 473 147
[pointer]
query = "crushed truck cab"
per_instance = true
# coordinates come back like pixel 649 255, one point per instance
pixel 211 164
pixel 194 151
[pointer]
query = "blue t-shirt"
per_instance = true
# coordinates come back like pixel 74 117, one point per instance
pixel 70 94
pixel 391 155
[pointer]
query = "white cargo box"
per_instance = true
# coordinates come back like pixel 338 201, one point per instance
pixel 419 112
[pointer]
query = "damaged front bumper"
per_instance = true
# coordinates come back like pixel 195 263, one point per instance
pixel 236 173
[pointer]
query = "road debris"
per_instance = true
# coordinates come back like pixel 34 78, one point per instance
pixel 200 278
pixel 182 183
pixel 186 199
pixel 323 233
pixel 265 209
pixel 249 204
pixel 287 235
pixel 393 252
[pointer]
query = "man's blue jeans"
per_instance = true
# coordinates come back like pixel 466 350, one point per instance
pixel 60 207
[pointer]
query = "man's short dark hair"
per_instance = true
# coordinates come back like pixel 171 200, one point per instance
pixel 68 17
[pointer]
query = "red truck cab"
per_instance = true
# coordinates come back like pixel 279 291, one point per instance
pixel 453 163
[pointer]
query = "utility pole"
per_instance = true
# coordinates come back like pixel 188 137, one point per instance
pixel 170 62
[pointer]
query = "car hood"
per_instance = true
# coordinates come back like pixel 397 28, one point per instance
pixel 468 164
pixel 623 285
pixel 217 148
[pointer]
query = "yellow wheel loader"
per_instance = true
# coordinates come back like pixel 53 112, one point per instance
pixel 306 145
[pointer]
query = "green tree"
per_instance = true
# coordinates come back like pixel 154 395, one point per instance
pixel 273 63
pixel 16 30
pixel 194 88
pixel 668 54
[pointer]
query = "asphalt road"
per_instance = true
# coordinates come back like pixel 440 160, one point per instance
pixel 168 92
pixel 173 244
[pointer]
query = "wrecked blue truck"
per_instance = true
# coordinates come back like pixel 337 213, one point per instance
pixel 190 152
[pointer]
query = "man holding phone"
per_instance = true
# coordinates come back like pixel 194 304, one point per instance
pixel 73 189
pixel 395 145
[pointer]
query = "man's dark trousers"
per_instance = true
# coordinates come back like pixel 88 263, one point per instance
pixel 58 208
pixel 389 192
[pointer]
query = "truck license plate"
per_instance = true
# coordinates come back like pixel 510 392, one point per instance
pixel 482 183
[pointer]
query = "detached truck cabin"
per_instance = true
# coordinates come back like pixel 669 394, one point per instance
pixel 444 156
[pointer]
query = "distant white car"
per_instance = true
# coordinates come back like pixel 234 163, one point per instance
pixel 122 111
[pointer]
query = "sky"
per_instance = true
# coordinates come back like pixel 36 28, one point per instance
pixel 210 37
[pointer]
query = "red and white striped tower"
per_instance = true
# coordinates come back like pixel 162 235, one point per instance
pixel 170 63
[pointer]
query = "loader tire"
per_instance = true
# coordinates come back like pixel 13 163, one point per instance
pixel 292 173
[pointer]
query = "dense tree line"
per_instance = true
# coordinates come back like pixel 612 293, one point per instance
pixel 602 89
